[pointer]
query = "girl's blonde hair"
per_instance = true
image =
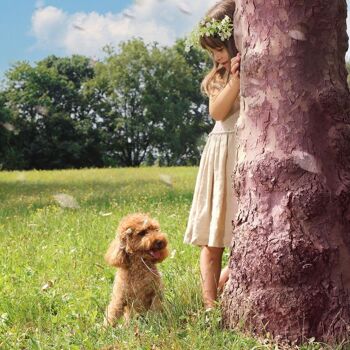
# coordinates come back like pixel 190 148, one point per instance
pixel 217 12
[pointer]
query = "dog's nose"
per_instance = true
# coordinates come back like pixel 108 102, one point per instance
pixel 158 244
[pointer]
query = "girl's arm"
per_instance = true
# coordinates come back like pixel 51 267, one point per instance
pixel 221 105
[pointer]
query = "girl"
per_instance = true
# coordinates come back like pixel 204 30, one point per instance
pixel 214 204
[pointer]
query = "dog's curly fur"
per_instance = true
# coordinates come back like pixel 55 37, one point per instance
pixel 138 246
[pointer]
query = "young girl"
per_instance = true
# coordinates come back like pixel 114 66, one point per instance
pixel 214 204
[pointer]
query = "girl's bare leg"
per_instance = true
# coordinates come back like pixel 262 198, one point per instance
pixel 210 266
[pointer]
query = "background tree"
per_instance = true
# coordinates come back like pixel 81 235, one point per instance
pixel 52 118
pixel 290 259
pixel 181 107
pixel 6 129
pixel 119 85
pixel 140 105
pixel 150 106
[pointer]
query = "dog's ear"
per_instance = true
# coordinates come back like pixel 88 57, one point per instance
pixel 116 254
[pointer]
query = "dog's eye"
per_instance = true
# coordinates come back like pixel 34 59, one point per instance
pixel 142 233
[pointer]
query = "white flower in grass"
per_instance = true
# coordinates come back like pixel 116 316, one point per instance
pixel 47 286
pixel 4 319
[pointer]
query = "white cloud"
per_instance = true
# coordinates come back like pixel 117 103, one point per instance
pixel 86 33
pixel 46 24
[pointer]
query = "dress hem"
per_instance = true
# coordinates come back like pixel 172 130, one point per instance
pixel 204 243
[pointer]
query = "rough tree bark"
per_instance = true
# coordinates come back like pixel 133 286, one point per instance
pixel 290 258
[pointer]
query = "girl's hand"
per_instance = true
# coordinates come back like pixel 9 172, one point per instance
pixel 235 65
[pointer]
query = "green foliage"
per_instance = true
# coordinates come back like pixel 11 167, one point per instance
pixel 6 128
pixel 348 68
pixel 55 285
pixel 140 105
pixel 150 106
pixel 187 117
pixel 54 126
pixel 120 87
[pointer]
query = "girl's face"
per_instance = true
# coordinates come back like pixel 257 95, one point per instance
pixel 221 57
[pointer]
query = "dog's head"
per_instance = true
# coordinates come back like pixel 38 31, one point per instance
pixel 138 236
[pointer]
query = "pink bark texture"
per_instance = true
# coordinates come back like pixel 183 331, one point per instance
pixel 290 257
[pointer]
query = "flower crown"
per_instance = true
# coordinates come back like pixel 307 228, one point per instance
pixel 210 27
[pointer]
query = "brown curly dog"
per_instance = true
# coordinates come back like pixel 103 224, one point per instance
pixel 138 246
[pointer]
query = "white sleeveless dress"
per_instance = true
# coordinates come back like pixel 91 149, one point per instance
pixel 214 203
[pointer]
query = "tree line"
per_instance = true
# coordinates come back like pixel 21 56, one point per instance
pixel 140 104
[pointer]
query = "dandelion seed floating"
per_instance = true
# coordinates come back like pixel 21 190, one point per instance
pixel 21 177
pixel 66 201
pixel 93 61
pixel 166 179
pixel 306 161
pixel 184 8
pixel 9 127
pixel 128 14
pixel 42 110
pixel 78 27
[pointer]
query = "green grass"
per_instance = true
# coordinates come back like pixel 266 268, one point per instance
pixel 43 244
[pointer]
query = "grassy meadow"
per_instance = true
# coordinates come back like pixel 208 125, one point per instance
pixel 54 284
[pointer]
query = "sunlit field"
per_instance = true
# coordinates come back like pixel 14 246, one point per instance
pixel 54 283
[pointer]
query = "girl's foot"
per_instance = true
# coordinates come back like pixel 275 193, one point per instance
pixel 224 275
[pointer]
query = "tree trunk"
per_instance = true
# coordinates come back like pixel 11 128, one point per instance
pixel 290 258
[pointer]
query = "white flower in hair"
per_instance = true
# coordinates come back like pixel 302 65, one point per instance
pixel 210 27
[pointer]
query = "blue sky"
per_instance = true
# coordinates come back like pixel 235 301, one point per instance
pixel 16 38
pixel 32 29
